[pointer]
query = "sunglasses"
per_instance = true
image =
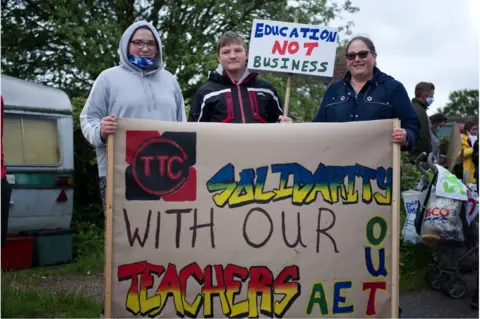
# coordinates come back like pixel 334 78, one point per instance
pixel 361 54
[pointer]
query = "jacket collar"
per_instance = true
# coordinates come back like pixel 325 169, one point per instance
pixel 220 75
pixel 423 104
pixel 376 78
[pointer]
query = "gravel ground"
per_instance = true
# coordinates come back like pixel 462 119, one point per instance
pixel 424 304
pixel 434 304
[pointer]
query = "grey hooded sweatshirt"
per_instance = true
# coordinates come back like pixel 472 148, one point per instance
pixel 126 91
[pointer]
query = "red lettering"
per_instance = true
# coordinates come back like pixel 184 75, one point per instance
pixel 170 173
pixel 239 309
pixel 435 212
pixel 310 46
pixel 169 286
pixel 261 282
pixel 146 164
pixel 192 270
pixel 146 282
pixel 161 164
pixel 280 49
pixel 373 287
pixel 472 202
pixel 291 290
pixel 209 291
pixel 229 282
pixel 131 271
pixel 293 47
pixel 165 164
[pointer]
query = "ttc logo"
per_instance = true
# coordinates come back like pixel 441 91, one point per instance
pixel 161 166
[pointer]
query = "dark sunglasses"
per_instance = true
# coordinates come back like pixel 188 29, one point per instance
pixel 361 54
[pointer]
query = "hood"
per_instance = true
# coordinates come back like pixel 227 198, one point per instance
pixel 124 43
pixel 220 76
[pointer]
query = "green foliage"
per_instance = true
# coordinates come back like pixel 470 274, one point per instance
pixel 462 103
pixel 87 194
pixel 414 260
pixel 410 176
pixel 67 44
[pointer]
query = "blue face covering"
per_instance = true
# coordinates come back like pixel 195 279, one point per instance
pixel 141 62
pixel 429 100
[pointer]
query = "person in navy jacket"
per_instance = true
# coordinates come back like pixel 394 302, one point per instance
pixel 366 93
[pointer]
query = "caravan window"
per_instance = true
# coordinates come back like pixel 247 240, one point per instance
pixel 30 140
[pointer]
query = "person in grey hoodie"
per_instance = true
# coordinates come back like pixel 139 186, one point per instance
pixel 138 88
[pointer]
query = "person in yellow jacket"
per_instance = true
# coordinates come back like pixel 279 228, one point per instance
pixel 468 140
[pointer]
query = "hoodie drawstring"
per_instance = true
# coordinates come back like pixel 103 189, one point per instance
pixel 151 94
pixel 145 91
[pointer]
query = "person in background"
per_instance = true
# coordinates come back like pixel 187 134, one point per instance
pixel 469 137
pixel 138 88
pixel 366 93
pixel 436 121
pixel 424 92
pixel 6 189
pixel 475 162
pixel 474 301
pixel 234 95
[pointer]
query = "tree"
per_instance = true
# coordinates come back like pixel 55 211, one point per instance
pixel 66 43
pixel 462 103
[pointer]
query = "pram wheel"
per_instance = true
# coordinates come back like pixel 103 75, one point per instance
pixel 435 278
pixel 454 288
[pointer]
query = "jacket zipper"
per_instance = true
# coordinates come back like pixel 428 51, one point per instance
pixel 241 103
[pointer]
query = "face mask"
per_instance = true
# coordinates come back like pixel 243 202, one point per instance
pixel 141 62
pixel 429 100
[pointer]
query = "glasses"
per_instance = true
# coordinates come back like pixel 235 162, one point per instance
pixel 140 43
pixel 361 54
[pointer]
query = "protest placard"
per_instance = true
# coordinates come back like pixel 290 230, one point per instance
pixel 282 220
pixel 294 48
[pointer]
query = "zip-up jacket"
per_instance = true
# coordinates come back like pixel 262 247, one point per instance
pixel 382 97
pixel 250 100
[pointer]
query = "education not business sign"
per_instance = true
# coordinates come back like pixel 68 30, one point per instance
pixel 292 48
pixel 203 227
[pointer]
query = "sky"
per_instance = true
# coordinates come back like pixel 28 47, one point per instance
pixel 423 40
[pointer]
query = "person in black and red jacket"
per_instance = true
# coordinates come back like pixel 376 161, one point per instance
pixel 234 95
pixel 6 189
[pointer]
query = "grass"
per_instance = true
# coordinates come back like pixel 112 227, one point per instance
pixel 22 299
pixel 24 302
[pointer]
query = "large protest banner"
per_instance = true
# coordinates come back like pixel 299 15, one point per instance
pixel 279 220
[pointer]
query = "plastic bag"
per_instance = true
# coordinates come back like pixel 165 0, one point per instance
pixel 442 218
pixel 471 206
pixel 412 200
pixel 449 186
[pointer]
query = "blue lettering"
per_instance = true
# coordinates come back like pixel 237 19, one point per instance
pixel 294 32
pixel 332 37
pixel 305 31
pixel 268 29
pixel 381 271
pixel 337 299
pixel 324 34
pixel 259 30
pixel 314 34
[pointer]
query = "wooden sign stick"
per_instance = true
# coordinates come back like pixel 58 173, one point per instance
pixel 289 86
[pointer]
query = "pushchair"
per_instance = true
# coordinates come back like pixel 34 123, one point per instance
pixel 454 258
